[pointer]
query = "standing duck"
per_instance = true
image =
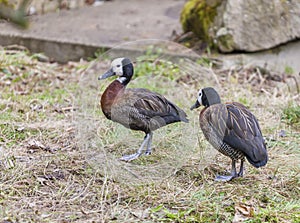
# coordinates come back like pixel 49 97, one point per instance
pixel 231 129
pixel 136 108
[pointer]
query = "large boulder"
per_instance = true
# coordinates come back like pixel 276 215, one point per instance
pixel 248 25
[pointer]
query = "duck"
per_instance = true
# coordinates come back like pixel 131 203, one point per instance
pixel 136 108
pixel 232 130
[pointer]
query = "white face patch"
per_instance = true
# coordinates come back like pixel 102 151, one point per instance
pixel 117 67
pixel 200 97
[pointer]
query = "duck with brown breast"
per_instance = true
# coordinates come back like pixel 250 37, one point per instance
pixel 136 108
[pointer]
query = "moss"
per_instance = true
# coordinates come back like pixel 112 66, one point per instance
pixel 5 2
pixel 198 15
pixel 226 43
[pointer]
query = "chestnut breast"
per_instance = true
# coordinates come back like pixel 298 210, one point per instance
pixel 109 97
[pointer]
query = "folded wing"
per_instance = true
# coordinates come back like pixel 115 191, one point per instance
pixel 239 128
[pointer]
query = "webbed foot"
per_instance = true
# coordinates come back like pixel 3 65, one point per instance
pixel 224 178
pixel 128 158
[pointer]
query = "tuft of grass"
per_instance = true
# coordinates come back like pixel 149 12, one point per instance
pixel 204 61
pixel 291 115
pixel 288 70
pixel 157 67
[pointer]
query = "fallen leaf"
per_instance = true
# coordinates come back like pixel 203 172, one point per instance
pixel 243 212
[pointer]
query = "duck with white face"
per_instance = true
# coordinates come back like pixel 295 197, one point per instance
pixel 121 67
pixel 231 129
pixel 136 108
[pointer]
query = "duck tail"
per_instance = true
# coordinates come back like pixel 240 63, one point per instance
pixel 259 162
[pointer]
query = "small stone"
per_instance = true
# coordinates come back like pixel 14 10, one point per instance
pixel 282 133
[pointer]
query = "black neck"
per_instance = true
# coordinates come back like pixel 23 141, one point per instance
pixel 127 72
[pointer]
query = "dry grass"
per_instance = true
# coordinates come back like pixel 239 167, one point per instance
pixel 59 155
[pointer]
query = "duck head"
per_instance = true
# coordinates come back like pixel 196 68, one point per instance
pixel 121 67
pixel 207 97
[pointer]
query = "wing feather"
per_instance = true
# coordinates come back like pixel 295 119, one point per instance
pixel 140 108
pixel 235 125
pixel 245 134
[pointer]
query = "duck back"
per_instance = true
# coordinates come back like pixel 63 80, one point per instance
pixel 141 109
pixel 233 130
pixel 245 134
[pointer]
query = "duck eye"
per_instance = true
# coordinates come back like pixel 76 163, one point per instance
pixel 118 65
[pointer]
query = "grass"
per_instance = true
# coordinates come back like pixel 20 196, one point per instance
pixel 291 114
pixel 59 155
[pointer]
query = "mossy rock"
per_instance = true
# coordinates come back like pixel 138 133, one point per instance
pixel 198 16
pixel 225 40
pixel 5 2
pixel 10 3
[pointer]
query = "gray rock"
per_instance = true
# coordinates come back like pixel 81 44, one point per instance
pixel 254 25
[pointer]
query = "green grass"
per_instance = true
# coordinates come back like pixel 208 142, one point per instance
pixel 157 67
pixel 291 115
pixel 75 176
pixel 288 70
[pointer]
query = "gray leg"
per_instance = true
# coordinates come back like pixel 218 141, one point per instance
pixel 131 157
pixel 240 174
pixel 149 150
pixel 228 178
pixel 233 169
